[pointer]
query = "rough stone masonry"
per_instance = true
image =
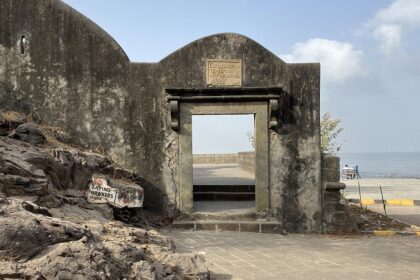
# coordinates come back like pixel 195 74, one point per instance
pixel 62 68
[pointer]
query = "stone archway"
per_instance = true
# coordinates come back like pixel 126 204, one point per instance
pixel 262 103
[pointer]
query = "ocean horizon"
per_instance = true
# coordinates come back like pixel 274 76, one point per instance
pixel 384 165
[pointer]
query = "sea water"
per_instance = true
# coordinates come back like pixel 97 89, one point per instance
pixel 384 165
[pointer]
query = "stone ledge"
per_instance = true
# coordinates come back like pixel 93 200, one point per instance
pixel 334 186
pixel 240 226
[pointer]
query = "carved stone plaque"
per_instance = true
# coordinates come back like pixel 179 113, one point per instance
pixel 224 72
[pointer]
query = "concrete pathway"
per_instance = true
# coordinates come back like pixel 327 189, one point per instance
pixel 221 174
pixel 407 214
pixel 392 188
pixel 244 255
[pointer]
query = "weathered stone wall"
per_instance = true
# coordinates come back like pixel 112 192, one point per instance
pixel 74 75
pixel 295 153
pixel 71 72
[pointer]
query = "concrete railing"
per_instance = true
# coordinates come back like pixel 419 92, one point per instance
pixel 246 160
pixel 215 158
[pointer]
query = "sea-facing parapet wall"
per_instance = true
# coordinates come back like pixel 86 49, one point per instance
pixel 215 158
pixel 246 161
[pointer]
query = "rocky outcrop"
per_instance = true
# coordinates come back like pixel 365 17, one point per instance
pixel 73 169
pixel 35 246
pixel 29 132
pixel 24 168
pixel 49 229
pixel 24 235
pixel 32 170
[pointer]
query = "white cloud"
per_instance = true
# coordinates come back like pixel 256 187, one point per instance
pixel 387 24
pixel 339 61
pixel 405 12
pixel 389 35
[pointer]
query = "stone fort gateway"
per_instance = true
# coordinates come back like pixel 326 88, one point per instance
pixel 61 66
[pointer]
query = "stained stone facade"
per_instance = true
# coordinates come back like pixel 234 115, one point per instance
pixel 59 65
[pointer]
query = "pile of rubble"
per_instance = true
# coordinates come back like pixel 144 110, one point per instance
pixel 58 211
pixel 369 220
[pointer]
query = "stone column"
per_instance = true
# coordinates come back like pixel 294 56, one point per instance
pixel 337 217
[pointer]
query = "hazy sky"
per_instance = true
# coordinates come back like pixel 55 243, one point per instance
pixel 369 53
pixel 222 134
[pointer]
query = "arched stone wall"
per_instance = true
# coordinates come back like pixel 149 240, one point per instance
pixel 74 75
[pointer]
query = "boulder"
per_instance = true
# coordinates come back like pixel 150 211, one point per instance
pixel 36 209
pixel 24 234
pixel 23 169
pixel 30 133
pixel 73 169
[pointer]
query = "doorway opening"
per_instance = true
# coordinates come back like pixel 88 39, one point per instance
pixel 223 162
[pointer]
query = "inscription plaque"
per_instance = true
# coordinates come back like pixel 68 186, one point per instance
pixel 224 72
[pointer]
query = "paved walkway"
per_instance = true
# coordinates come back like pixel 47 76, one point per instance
pixel 221 174
pixel 244 255
pixel 392 188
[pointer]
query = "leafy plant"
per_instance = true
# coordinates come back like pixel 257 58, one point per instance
pixel 330 129
pixel 251 139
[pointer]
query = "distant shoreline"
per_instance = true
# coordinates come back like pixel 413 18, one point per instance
pixel 389 165
pixel 382 178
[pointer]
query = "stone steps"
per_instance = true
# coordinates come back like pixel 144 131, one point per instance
pixel 224 192
pixel 230 225
pixel 224 188
pixel 226 215
pixel 224 196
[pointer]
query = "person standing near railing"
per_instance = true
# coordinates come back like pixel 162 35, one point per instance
pixel 356 169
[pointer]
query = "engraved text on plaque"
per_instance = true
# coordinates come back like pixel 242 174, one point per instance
pixel 224 72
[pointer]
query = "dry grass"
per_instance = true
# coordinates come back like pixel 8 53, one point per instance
pixel 12 116
pixel 56 136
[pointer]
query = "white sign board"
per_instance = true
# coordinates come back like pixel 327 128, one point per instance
pixel 101 192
